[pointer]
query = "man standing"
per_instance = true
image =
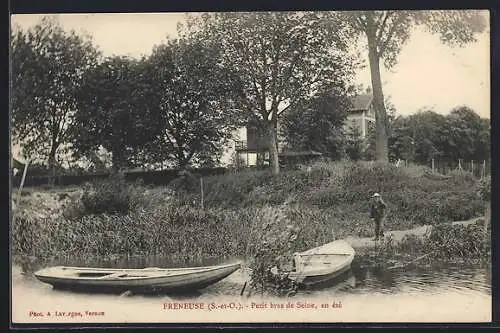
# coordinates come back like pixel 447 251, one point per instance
pixel 377 213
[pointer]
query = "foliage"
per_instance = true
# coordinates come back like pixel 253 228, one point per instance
pixel 369 151
pixel 317 125
pixel 111 105
pixel 282 58
pixel 354 144
pixel 345 188
pixel 193 97
pixel 449 241
pixel 386 33
pixel 484 190
pixel 257 215
pixel 48 64
pixel 183 232
pixel 444 243
pixel 427 134
pixel 467 135
pixel 110 196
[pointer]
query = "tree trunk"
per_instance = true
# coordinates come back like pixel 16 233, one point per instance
pixel 273 147
pixel 381 146
pixel 52 165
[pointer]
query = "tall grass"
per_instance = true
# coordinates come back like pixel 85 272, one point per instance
pixel 252 214
pixel 444 243
pixel 347 187
pixel 181 231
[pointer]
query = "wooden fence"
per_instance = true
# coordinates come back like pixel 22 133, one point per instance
pixel 479 169
pixel 162 177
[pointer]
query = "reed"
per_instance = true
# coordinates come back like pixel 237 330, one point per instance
pixel 328 202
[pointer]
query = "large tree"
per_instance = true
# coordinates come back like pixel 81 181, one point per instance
pixel 387 31
pixel 47 67
pixel 418 137
pixel 466 135
pixel 193 98
pixel 112 111
pixel 461 134
pixel 282 58
pixel 318 124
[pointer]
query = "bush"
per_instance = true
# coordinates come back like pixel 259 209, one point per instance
pixel 114 195
pixel 411 197
pixel 456 241
pixel 484 188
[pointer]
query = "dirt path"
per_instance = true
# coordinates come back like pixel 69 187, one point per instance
pixel 397 235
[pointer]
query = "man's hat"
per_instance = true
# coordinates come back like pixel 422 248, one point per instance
pixel 376 195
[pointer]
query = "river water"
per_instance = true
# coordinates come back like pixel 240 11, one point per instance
pixel 446 294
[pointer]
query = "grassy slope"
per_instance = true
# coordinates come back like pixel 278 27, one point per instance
pixel 329 202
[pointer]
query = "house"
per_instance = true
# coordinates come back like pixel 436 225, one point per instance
pixel 250 149
pixel 362 114
pixel 16 166
pixel 249 145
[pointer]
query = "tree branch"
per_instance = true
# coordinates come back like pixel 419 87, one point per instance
pixel 361 23
pixel 381 27
pixel 392 29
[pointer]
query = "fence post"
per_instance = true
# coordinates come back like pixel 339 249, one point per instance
pixel 432 165
pixel 483 173
pixel 202 194
pixel 487 217
pixel 459 164
pixel 472 167
pixel 18 201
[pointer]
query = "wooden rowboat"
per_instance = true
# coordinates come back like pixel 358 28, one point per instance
pixel 151 279
pixel 320 264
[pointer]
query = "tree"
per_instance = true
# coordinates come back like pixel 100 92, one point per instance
pixel 461 134
pixel 418 137
pixel 466 135
pixel 193 98
pixel 401 141
pixel 354 144
pixel 281 58
pixel 47 67
pixel 387 31
pixel 318 124
pixel 112 113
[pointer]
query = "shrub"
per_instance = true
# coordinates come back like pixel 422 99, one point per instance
pixel 456 241
pixel 484 188
pixel 113 195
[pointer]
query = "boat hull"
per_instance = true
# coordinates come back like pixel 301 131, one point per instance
pixel 325 279
pixel 135 280
pixel 321 265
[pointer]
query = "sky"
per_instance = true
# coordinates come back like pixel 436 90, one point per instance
pixel 428 74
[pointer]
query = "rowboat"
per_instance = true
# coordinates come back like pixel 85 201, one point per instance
pixel 150 279
pixel 320 264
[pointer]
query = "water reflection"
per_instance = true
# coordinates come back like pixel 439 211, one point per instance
pixel 461 279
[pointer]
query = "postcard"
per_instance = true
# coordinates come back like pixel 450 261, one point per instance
pixel 250 167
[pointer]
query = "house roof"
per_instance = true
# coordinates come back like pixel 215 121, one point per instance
pixel 361 102
pixel 16 164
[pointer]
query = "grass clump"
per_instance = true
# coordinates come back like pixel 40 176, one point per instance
pixel 450 243
pixel 185 232
pixel 113 195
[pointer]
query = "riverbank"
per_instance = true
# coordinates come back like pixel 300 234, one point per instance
pixel 248 213
pixel 398 236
